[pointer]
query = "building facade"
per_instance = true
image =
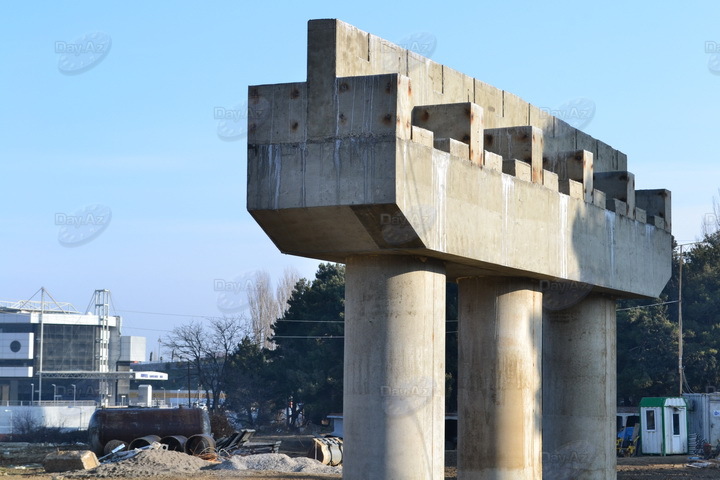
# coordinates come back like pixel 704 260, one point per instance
pixel 51 352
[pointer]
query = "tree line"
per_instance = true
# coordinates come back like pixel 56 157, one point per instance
pixel 288 355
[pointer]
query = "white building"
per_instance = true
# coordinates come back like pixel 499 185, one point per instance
pixel 51 352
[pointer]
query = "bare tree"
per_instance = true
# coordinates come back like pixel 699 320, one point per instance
pixel 285 287
pixel 207 346
pixel 711 221
pixel 266 307
pixel 263 308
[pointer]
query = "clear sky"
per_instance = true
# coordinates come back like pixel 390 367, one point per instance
pixel 126 136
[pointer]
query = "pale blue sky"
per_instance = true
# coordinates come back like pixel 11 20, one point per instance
pixel 135 132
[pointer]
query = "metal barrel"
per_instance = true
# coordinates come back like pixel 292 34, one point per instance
pixel 127 424
pixel 175 443
pixel 327 450
pixel 336 453
pixel 200 444
pixel 143 441
pixel 112 445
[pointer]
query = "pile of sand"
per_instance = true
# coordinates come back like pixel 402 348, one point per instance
pixel 156 462
pixel 278 462
pixel 147 463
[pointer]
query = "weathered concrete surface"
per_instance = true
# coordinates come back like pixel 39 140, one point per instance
pixel 409 171
pixel 352 162
pixel 394 387
pixel 499 392
pixel 580 391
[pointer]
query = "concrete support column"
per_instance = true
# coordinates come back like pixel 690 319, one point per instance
pixel 499 392
pixel 394 389
pixel 580 391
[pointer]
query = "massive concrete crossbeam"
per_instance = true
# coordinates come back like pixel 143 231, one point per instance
pixel 411 172
pixel 345 165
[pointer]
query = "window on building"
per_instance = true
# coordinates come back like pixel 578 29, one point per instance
pixel 676 423
pixel 650 419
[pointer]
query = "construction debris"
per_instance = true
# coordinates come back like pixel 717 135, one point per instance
pixel 72 460
pixel 239 444
pixel 327 450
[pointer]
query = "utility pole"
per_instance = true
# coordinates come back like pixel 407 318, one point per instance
pixel 188 365
pixel 681 369
pixel 680 324
pixel 42 341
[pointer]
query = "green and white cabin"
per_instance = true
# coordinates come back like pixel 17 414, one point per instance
pixel 663 426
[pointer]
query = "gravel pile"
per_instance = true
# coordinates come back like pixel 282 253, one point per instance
pixel 147 463
pixel 278 462
pixel 157 462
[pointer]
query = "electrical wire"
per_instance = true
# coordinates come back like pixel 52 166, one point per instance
pixel 645 306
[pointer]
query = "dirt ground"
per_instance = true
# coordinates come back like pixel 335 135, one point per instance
pixel 24 462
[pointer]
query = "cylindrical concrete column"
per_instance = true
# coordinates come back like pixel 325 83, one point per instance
pixel 394 390
pixel 580 391
pixel 499 392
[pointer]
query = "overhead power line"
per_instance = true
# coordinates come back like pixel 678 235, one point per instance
pixel 645 306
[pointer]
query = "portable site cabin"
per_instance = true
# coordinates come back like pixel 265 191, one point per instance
pixel 663 426
pixel 703 417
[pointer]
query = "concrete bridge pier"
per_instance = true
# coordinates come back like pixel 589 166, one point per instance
pixel 579 390
pixel 408 170
pixel 394 390
pixel 499 389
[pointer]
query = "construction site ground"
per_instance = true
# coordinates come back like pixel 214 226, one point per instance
pixel 24 462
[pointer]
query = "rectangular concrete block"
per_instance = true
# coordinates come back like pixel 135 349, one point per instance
pixel 640 215
pixel 618 206
pixel 423 136
pixel 572 188
pixel 560 140
pixel 453 147
pixel 322 47
pixel 605 157
pixel 550 180
pixel 386 57
pixel 580 168
pixel 368 105
pixel 541 119
pixel 67 461
pixel 490 99
pixel 522 143
pixel 459 121
pixel 321 72
pixel 352 51
pixel 425 78
pixel 621 160
pixel 493 161
pixel 518 169
pixel 277 113
pixel 583 141
pixel 435 75
pixel 619 185
pixel 515 111
pixel 658 222
pixel 657 204
pixel 457 87
pixel 599 198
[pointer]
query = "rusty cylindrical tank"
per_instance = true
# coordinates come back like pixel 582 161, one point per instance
pixel 127 424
